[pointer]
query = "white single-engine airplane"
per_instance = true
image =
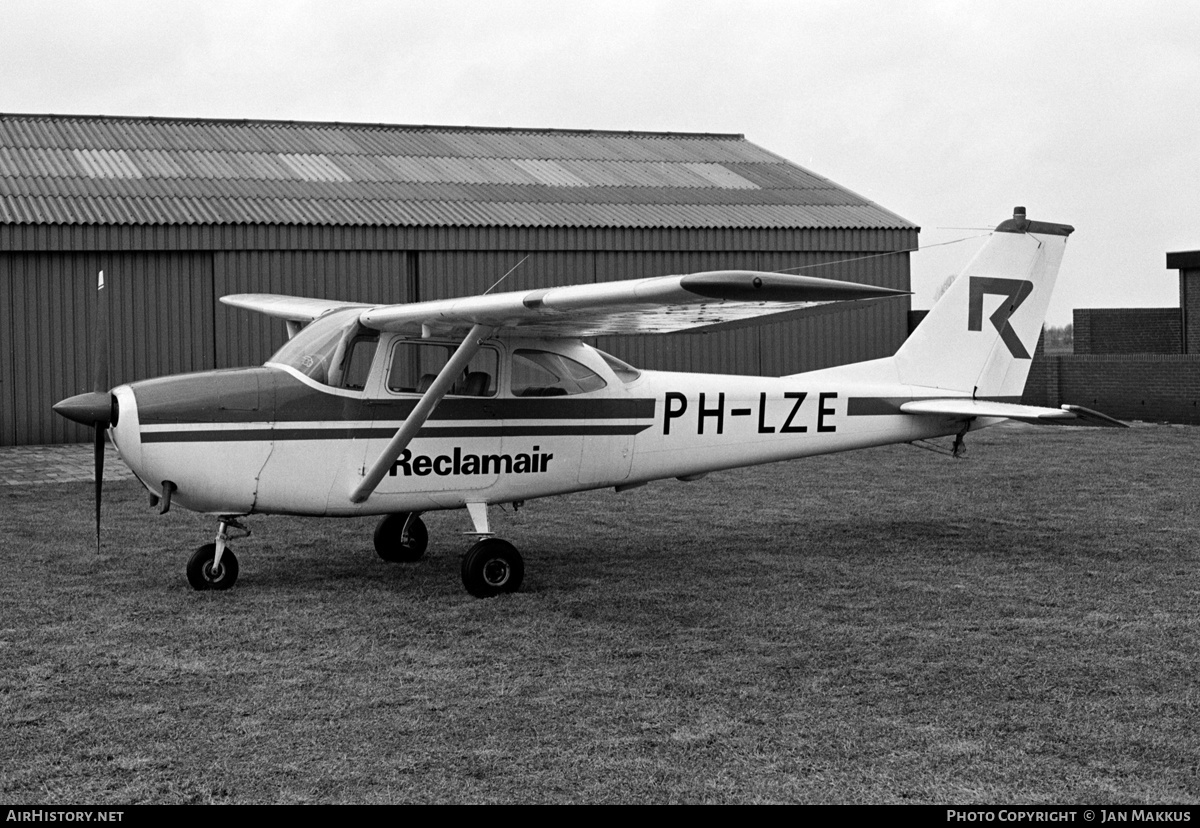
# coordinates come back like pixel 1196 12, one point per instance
pixel 396 410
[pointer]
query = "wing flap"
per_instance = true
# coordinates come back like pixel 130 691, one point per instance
pixel 965 408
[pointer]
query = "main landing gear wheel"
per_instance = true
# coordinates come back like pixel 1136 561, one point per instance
pixel 200 572
pixel 397 543
pixel 492 567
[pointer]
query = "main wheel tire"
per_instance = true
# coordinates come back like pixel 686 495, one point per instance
pixel 391 543
pixel 492 567
pixel 200 573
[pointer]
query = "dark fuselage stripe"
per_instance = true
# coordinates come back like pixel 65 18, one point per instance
pixel 219 435
pixel 872 406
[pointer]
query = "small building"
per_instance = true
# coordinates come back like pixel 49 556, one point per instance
pixel 1187 262
pixel 179 212
pixel 1131 363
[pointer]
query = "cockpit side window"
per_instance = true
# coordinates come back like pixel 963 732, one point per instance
pixel 415 365
pixel 547 374
pixel 333 350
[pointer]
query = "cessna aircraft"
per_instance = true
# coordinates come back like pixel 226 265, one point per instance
pixel 396 410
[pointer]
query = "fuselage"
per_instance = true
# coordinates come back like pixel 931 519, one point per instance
pixel 286 439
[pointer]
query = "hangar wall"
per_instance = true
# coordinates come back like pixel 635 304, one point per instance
pixel 161 322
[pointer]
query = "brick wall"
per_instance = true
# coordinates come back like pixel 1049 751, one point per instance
pixel 1128 331
pixel 1150 387
pixel 1042 386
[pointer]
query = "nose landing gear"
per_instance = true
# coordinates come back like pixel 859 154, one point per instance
pixel 401 538
pixel 213 565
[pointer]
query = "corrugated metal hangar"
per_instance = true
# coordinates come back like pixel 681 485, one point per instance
pixel 179 212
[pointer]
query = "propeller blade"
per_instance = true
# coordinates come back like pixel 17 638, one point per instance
pixel 99 455
pixel 100 370
pixel 100 386
pixel 97 408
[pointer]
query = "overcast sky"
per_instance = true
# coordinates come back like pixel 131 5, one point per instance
pixel 948 113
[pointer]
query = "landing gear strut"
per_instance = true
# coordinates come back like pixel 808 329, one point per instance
pixel 959 449
pixel 213 565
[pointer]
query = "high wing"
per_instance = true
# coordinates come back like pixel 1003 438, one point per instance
pixel 296 311
pixel 965 408
pixel 289 308
pixel 662 304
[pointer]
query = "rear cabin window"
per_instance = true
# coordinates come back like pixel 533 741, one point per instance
pixel 547 374
pixel 415 365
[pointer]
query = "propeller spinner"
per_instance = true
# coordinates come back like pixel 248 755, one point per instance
pixel 97 408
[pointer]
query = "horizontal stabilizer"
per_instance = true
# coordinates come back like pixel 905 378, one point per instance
pixel 966 408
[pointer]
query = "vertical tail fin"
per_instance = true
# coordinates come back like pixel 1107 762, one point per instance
pixel 980 336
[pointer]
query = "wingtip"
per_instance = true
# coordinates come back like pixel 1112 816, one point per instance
pixel 757 286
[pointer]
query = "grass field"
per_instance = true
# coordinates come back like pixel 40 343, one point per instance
pixel 881 627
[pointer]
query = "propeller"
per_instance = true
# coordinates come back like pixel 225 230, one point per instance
pixel 97 408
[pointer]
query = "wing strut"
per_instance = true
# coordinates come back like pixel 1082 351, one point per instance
pixel 412 424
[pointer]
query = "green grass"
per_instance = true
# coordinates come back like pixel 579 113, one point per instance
pixel 886 626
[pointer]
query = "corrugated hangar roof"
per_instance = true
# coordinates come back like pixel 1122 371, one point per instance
pixel 64 169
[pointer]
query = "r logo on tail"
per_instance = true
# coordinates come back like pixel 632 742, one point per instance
pixel 1014 291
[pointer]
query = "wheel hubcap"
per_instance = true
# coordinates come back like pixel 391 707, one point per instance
pixel 496 572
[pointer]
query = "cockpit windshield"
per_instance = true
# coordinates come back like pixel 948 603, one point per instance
pixel 333 350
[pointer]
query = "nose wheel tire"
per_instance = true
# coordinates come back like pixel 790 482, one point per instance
pixel 394 544
pixel 200 572
pixel 492 567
